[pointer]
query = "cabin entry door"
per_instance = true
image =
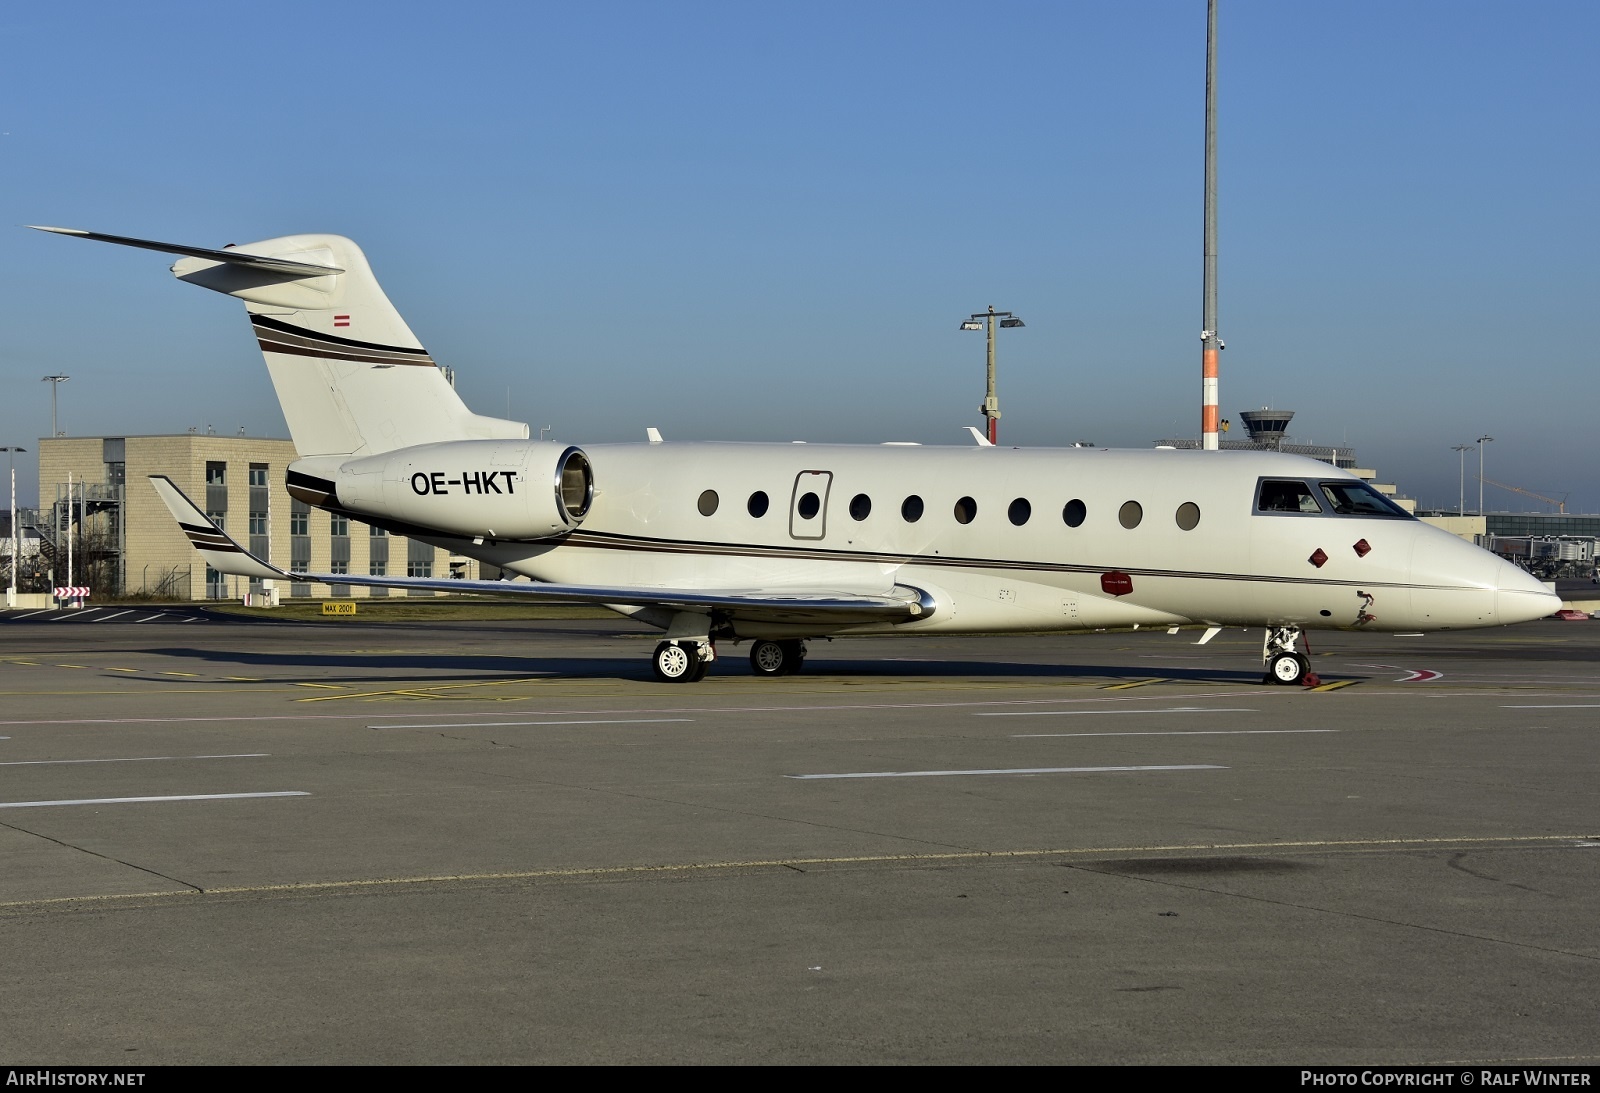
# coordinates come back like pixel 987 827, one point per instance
pixel 808 505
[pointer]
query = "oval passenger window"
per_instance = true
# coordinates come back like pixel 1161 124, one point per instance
pixel 1073 514
pixel 757 504
pixel 1188 516
pixel 808 506
pixel 708 503
pixel 1130 514
pixel 966 509
pixel 860 507
pixel 911 509
pixel 1019 511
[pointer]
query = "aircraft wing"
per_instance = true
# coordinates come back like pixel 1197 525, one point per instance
pixel 800 605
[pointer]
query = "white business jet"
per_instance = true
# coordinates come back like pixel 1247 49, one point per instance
pixel 777 543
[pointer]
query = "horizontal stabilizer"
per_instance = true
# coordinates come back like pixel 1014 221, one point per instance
pixel 231 257
pixel 832 606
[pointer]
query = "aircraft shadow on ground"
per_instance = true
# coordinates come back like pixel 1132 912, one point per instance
pixel 380 668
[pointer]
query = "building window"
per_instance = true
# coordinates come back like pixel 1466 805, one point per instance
pixel 218 518
pixel 258 475
pixel 377 569
pixel 377 533
pixel 415 568
pixel 339 526
pixel 216 474
pixel 258 523
pixel 300 523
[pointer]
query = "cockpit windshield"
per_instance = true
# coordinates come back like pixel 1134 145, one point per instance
pixel 1360 499
pixel 1286 495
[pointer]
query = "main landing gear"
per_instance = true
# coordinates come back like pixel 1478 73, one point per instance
pixel 688 660
pixel 777 658
pixel 683 661
pixel 1284 665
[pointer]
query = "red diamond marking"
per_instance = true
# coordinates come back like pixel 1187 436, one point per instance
pixel 1318 559
pixel 1362 548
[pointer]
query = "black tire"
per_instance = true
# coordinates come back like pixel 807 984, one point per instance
pixel 701 667
pixel 676 663
pixel 770 658
pixel 794 656
pixel 1287 669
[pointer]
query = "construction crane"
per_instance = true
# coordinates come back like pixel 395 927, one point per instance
pixel 1560 503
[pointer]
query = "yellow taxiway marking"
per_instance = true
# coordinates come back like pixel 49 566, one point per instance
pixel 422 691
pixel 1336 684
pixel 324 686
pixel 244 679
pixel 122 669
pixel 1130 686
pixel 72 666
pixel 596 872
pixel 189 675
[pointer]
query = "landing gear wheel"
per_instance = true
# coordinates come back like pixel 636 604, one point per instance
pixel 675 663
pixel 1288 668
pixel 769 658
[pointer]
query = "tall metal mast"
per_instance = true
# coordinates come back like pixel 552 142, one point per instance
pixel 1210 341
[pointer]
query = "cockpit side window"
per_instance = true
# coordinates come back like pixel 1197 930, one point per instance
pixel 1360 499
pixel 1286 495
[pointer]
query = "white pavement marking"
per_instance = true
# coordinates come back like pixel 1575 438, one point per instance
pixel 147 618
pixel 135 759
pixel 30 614
pixel 1595 706
pixel 517 724
pixel 1103 713
pixel 1017 770
pixel 1172 732
pixel 119 614
pixel 146 800
pixel 809 709
pixel 74 616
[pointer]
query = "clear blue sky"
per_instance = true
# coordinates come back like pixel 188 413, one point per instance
pixel 765 220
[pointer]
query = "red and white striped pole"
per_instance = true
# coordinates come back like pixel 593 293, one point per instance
pixel 1212 343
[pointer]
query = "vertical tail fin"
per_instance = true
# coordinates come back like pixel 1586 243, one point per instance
pixel 350 376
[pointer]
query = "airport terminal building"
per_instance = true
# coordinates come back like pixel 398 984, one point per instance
pixel 95 493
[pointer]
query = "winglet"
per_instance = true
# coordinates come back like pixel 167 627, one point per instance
pixel 983 441
pixel 220 552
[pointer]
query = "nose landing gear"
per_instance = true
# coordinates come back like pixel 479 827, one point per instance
pixel 1284 664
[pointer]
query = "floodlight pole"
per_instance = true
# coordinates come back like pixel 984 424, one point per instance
pixel 987 321
pixel 1482 440
pixel 54 382
pixel 1461 487
pixel 16 539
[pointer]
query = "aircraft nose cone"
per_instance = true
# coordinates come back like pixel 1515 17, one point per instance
pixel 1521 597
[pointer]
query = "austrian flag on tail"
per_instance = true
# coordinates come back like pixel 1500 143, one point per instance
pixel 341 320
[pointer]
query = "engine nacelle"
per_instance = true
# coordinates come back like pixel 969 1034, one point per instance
pixel 491 489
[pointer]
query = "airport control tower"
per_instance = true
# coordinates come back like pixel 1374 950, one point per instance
pixel 1267 427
